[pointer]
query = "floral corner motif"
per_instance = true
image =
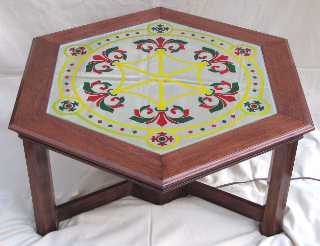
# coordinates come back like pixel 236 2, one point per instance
pixel 255 106
pixel 173 115
pixel 160 43
pixel 162 140
pixel 74 51
pixel 216 62
pixel 159 28
pixel 244 51
pixel 105 62
pixel 101 93
pixel 222 93
pixel 67 106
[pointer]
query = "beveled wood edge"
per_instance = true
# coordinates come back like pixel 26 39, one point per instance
pixel 308 120
pixel 192 20
pixel 29 128
pixel 26 124
pixel 135 177
pixel 103 26
pixel 27 67
pixel 226 200
pixel 136 18
pixel 284 48
pixel 47 117
pixel 187 176
pixel 192 175
pixel 33 135
pixel 176 180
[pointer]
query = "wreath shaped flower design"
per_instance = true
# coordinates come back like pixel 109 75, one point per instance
pixel 75 51
pixel 254 106
pixel 224 92
pixel 175 115
pixel 241 51
pixel 68 105
pixel 160 28
pixel 218 63
pixel 162 139
pixel 105 61
pixel 148 45
pixel 99 92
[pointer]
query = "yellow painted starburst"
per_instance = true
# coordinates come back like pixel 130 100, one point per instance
pixel 161 77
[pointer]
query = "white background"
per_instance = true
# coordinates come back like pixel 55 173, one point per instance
pixel 129 221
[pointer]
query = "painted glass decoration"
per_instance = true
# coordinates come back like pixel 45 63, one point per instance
pixel 160 85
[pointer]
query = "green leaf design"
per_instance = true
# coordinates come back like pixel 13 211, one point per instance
pixel 110 50
pixel 181 119
pixel 213 70
pixel 140 120
pixel 107 52
pixel 200 99
pixel 215 84
pixel 234 87
pixel 178 107
pixel 121 100
pixel 142 41
pixel 89 67
pixel 104 106
pixel 177 41
pixel 86 87
pixel 144 107
pixel 213 52
pixel 230 66
pixel 218 107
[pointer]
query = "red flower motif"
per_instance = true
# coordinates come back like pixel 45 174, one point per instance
pixel 175 115
pixel 217 63
pixel 223 97
pixel 242 51
pixel 162 139
pixel 99 92
pixel 254 106
pixel 105 61
pixel 148 45
pixel 75 51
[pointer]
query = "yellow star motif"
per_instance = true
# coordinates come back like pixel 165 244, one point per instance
pixel 161 77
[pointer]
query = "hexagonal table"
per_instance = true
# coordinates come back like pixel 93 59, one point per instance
pixel 161 98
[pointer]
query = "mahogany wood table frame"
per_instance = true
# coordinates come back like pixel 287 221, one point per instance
pixel 150 176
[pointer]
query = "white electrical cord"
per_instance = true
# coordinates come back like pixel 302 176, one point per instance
pixel 263 179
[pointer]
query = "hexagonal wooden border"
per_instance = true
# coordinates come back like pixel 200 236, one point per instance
pixel 178 167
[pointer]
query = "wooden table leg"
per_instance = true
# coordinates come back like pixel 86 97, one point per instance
pixel 38 164
pixel 279 181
